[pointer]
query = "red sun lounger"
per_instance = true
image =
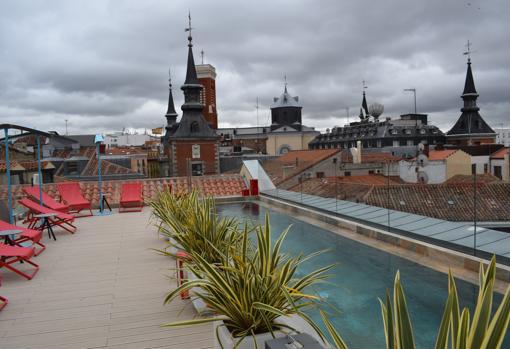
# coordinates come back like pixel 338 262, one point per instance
pixel 10 255
pixel 131 197
pixel 72 196
pixel 26 235
pixel 63 220
pixel 48 201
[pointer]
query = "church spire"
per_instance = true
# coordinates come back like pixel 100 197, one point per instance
pixel 191 71
pixel 469 86
pixel 171 114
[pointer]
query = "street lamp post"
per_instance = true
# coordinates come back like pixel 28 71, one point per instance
pixel 98 140
pixel 336 185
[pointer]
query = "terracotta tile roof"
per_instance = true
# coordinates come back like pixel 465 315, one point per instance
pixel 485 178
pixel 25 165
pixel 125 151
pixel 217 186
pixel 500 154
pixel 449 202
pixel 453 201
pixel 369 157
pixel 435 155
pixel 294 162
pixel 107 168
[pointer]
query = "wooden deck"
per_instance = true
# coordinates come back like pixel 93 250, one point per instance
pixel 102 287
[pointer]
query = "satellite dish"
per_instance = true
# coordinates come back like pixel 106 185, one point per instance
pixel 423 177
pixel 422 160
pixel 376 109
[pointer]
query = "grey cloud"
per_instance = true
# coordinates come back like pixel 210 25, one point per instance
pixel 103 64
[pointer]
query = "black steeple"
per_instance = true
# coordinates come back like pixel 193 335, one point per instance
pixel 363 111
pixel 470 121
pixel 469 86
pixel 193 123
pixel 171 114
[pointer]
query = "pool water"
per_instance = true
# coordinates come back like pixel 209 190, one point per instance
pixel 362 274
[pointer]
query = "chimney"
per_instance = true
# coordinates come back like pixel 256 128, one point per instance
pixel 359 152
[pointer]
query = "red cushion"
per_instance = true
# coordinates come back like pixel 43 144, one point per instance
pixel 15 251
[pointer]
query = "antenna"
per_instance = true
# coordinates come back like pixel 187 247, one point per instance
pixel 413 90
pixel 66 129
pixel 202 54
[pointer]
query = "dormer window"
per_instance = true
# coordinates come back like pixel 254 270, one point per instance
pixel 194 128
pixel 407 131
pixel 422 131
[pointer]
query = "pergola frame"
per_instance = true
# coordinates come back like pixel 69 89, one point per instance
pixel 28 131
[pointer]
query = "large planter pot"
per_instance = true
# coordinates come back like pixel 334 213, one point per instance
pixel 229 342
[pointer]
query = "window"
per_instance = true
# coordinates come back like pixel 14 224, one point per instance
pixel 347 173
pixel 194 128
pixel 497 172
pixel 485 168
pixel 402 143
pixel 473 168
pixel 320 174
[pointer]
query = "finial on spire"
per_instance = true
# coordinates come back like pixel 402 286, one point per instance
pixel 468 52
pixel 285 82
pixel 188 29
pixel 364 86
pixel 169 78
pixel 202 54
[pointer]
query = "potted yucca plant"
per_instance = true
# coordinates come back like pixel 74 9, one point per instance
pixel 253 292
pixel 458 330
pixel 192 224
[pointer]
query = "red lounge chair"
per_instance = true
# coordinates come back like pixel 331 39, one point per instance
pixel 72 196
pixel 26 235
pixel 63 220
pixel 48 201
pixel 131 197
pixel 10 255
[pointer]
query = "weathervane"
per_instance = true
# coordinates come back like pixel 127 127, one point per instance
pixel 364 86
pixel 202 54
pixel 169 78
pixel 468 52
pixel 188 29
pixel 285 81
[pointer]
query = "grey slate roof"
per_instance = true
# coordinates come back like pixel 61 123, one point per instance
pixel 285 100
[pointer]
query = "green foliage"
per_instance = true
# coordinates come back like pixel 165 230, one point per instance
pixel 482 332
pixel 250 290
pixel 191 223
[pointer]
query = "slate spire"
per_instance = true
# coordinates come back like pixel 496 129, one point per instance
pixel 469 86
pixel 171 114
pixel 363 111
pixel 191 71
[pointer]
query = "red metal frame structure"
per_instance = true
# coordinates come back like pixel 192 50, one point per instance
pixel 14 254
pixel 48 201
pixel 63 220
pixel 131 197
pixel 26 235
pixel 71 194
pixel 3 301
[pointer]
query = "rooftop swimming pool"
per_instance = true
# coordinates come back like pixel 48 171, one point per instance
pixel 363 274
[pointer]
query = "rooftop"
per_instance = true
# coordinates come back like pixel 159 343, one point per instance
pixel 92 292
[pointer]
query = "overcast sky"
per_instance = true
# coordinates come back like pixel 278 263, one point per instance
pixel 103 65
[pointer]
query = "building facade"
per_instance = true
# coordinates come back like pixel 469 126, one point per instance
pixel 399 137
pixel 503 136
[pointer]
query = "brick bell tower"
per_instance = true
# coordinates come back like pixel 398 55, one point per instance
pixel 207 77
pixel 193 144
